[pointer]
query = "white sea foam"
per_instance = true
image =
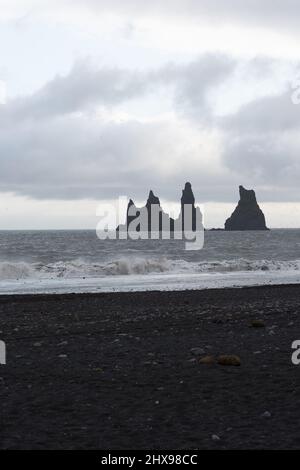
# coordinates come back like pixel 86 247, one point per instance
pixel 76 261
pixel 18 270
pixel 78 268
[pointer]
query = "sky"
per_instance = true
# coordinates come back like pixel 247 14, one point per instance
pixel 108 98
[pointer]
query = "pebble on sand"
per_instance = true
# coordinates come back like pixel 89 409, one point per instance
pixel 258 324
pixel 215 438
pixel 229 360
pixel 207 360
pixel 197 351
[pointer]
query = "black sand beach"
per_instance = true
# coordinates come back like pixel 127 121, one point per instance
pixel 117 371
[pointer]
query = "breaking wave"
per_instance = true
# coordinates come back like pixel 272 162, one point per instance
pixel 18 270
pixel 136 266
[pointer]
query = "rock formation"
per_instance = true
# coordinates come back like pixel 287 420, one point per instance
pixel 129 218
pixel 153 210
pixel 247 215
pixel 188 198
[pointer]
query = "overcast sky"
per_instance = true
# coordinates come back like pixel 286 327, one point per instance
pixel 101 98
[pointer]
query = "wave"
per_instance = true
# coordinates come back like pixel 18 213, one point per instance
pixel 243 265
pixel 18 270
pixel 136 266
pixel 79 268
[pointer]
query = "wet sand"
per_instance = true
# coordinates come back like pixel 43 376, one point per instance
pixel 122 371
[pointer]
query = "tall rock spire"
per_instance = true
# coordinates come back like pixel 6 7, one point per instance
pixel 188 204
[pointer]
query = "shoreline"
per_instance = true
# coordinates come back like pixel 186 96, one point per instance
pixel 48 296
pixel 122 370
pixel 149 283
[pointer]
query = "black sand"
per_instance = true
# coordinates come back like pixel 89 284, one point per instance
pixel 115 371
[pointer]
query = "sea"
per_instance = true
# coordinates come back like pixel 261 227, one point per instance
pixel 61 261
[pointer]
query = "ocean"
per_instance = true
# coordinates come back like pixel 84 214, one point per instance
pixel 77 261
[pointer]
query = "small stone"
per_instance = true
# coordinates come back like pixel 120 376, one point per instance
pixel 207 360
pixel 215 438
pixel 62 356
pixel 266 414
pixel 37 345
pixel 197 351
pixel 229 360
pixel 258 324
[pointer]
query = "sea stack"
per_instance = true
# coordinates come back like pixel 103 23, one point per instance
pixel 247 215
pixel 163 220
pixel 129 218
pixel 153 208
pixel 188 199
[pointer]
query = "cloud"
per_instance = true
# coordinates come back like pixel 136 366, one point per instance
pixel 263 144
pixel 55 144
pixel 280 15
pixel 270 113
pixel 75 157
pixel 2 92
pixel 86 87
pixel 197 79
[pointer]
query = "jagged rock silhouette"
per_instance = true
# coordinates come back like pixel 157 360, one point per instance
pixel 153 207
pixel 247 215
